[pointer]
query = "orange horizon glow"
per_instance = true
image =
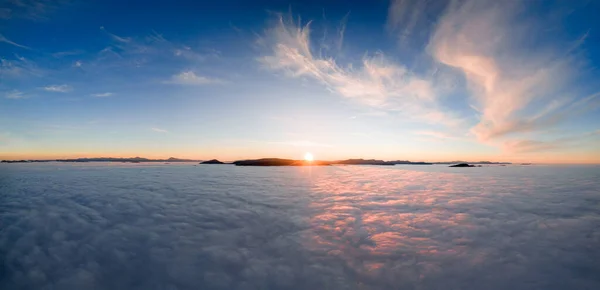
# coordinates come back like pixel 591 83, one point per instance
pixel 230 156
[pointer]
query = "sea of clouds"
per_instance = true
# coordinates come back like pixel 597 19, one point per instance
pixel 101 226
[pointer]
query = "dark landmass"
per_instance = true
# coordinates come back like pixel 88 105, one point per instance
pixel 478 162
pixel 462 165
pixel 263 161
pixel 362 162
pixel 212 161
pixel 291 162
pixel 278 162
pixel 105 159
pixel 401 162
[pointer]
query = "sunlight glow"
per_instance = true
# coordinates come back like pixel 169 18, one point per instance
pixel 308 157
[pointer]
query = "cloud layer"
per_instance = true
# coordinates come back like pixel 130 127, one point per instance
pixel 115 226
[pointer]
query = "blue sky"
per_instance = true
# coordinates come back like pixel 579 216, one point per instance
pixel 417 80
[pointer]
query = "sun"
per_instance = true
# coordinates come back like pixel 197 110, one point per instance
pixel 308 157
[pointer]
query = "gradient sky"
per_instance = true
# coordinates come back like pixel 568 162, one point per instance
pixel 418 80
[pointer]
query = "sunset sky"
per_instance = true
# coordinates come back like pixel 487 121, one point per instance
pixel 419 80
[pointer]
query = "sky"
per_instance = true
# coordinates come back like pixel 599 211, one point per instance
pixel 413 80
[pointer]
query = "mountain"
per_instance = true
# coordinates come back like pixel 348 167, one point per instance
pixel 212 161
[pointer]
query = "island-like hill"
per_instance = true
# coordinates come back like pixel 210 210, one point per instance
pixel 212 161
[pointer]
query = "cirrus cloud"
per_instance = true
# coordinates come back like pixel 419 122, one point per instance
pixel 191 78
pixel 58 88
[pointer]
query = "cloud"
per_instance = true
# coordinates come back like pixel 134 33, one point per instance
pixel 377 82
pixel 116 37
pixel 190 78
pixel 188 53
pixel 58 88
pixel 514 88
pixel 102 95
pixel 158 227
pixel 68 53
pixel 529 146
pixel 435 134
pixel 14 94
pixel 36 10
pixel 403 17
pixel 77 63
pixel 6 40
pixel 159 130
pixel 18 67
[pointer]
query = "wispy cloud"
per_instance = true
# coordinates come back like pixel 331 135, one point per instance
pixel 36 10
pixel 58 88
pixel 188 53
pixel 78 63
pixel 8 41
pixel 436 134
pixel 529 146
pixel 378 82
pixel 116 37
pixel 102 95
pixel 159 130
pixel 509 82
pixel 403 17
pixel 190 78
pixel 14 94
pixel 18 67
pixel 68 53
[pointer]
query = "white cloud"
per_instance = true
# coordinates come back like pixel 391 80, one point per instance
pixel 190 78
pixel 77 63
pixel 14 94
pixel 6 40
pixel 378 82
pixel 514 88
pixel 101 95
pixel 58 88
pixel 116 37
pixel 159 130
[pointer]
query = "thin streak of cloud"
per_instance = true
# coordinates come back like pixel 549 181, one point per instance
pixel 102 95
pixel 116 37
pixel 159 130
pixel 531 146
pixel 190 78
pixel 8 41
pixel 14 94
pixel 403 16
pixel 67 53
pixel 58 88
pixel 36 10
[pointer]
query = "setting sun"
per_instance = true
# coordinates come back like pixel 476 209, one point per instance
pixel 308 157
